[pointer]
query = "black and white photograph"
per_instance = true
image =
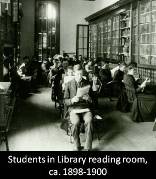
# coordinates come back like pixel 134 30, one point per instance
pixel 77 75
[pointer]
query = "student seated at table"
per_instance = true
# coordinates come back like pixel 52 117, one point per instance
pixel 89 66
pixel 23 72
pixel 130 81
pixel 105 73
pixel 69 75
pixel 143 105
pixel 24 68
pixel 55 74
pixel 113 71
pixel 53 71
pixel 105 77
pixel 117 83
pixel 76 67
pixel 79 109
pixel 96 88
pixel 119 74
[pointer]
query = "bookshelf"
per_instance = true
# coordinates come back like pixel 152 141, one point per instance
pixel 153 33
pixel 145 32
pixel 129 34
pixel 147 40
pixel 115 38
pixel 125 36
pixel 89 42
pixel 100 40
pixel 93 41
pixel 135 32
pixel 105 38
pixel 107 27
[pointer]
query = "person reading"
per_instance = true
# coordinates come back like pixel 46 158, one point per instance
pixel 142 106
pixel 129 80
pixel 68 76
pixel 79 108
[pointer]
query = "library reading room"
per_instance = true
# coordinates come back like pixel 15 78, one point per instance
pixel 77 75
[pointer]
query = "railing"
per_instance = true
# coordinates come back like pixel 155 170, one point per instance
pixel 146 72
pixel 7 104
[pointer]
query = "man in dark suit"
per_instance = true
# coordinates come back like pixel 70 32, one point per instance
pixel 105 73
pixel 79 107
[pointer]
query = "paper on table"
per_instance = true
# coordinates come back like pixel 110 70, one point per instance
pixel 83 91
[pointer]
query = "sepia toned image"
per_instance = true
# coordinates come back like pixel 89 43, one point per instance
pixel 77 75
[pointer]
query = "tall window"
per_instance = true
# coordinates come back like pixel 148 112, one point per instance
pixel 82 40
pixel 47 29
pixel 93 41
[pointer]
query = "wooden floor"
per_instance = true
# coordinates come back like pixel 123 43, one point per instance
pixel 36 127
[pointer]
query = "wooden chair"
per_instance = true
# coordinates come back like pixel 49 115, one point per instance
pixel 68 126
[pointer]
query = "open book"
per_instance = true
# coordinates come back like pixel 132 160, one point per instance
pixel 83 91
pixel 144 83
